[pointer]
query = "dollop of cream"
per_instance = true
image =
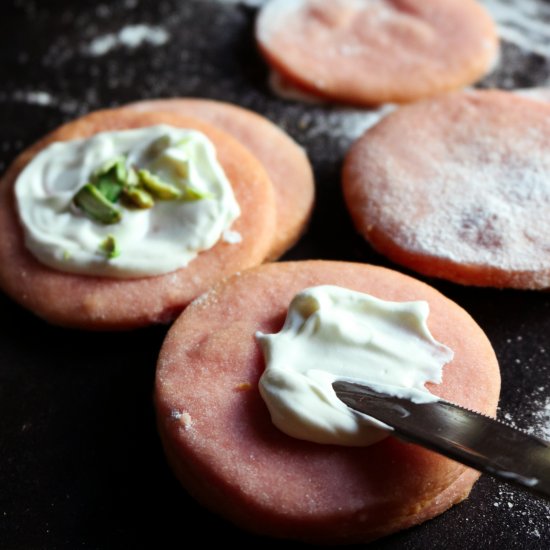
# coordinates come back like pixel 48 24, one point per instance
pixel 332 333
pixel 150 242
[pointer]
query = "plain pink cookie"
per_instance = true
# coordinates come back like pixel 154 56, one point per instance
pixel 459 188
pixel 284 160
pixel 369 52
pixel 223 447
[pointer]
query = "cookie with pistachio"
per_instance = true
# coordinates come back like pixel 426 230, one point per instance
pixel 284 160
pixel 119 219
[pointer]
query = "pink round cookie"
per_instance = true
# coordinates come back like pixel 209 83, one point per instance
pixel 369 52
pixel 284 160
pixel 458 187
pixel 106 303
pixel 223 447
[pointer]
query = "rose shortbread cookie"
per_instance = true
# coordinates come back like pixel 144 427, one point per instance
pixel 284 160
pixel 368 52
pixel 227 452
pixel 459 188
pixel 119 219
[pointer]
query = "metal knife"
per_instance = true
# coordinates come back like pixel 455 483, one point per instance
pixel 463 435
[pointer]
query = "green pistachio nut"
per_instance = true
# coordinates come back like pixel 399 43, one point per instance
pixel 109 187
pixel 194 194
pixel 94 205
pixel 111 177
pixel 116 166
pixel 132 178
pixel 109 247
pixel 157 187
pixel 136 197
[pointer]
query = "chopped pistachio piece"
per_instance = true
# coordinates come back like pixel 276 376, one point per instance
pixel 109 247
pixel 194 194
pixel 157 187
pixel 137 198
pixel 109 187
pixel 132 177
pixel 66 255
pixel 111 177
pixel 117 163
pixel 92 203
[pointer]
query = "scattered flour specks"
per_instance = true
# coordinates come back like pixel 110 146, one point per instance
pixel 345 125
pixel 130 36
pixel 509 420
pixel 42 99
pixel 534 514
pixel 535 416
pixel 523 23
pixel 250 3
pixel 34 97
pixel 541 418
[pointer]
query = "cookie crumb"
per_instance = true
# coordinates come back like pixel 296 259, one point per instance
pixel 184 418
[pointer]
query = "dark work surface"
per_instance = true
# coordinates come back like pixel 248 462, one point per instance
pixel 80 462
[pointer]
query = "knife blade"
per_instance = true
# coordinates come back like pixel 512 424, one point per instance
pixel 458 433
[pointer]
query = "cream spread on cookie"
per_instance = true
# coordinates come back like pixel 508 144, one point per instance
pixel 128 203
pixel 332 333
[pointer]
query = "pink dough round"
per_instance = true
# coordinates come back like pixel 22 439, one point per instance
pixel 458 187
pixel 223 447
pixel 369 52
pixel 284 160
pixel 102 303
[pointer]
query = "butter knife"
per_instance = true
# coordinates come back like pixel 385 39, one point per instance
pixel 463 435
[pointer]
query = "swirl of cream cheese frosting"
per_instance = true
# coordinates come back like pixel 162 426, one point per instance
pixel 333 333
pixel 150 241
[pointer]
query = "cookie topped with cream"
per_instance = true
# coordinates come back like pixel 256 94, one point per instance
pixel 119 219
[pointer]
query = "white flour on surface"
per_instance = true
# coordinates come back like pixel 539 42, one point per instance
pixel 519 505
pixel 40 98
pixel 523 23
pixel 541 425
pixel 34 97
pixel 130 36
pixel 250 3
pixel 539 414
pixel 344 124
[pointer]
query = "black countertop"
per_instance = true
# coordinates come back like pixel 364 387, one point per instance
pixel 81 465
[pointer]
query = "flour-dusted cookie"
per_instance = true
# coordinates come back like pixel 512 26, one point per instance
pixel 224 448
pixel 97 302
pixel 369 52
pixel 284 160
pixel 459 188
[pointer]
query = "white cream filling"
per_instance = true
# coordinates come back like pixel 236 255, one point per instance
pixel 332 333
pixel 151 242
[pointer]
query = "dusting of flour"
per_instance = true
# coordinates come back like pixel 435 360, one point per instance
pixel 130 36
pixel 523 23
pixel 250 3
